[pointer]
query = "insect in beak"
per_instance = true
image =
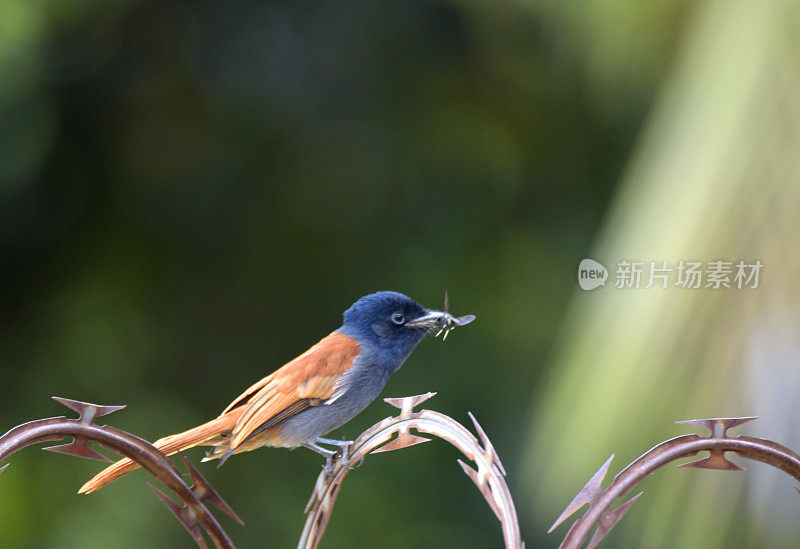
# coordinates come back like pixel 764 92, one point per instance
pixel 443 320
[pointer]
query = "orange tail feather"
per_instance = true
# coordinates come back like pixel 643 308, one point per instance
pixel 168 445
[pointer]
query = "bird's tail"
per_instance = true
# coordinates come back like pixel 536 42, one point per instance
pixel 200 435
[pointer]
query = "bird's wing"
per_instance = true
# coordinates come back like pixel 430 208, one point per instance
pixel 314 378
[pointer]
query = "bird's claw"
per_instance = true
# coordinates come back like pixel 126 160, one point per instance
pixel 343 457
pixel 349 467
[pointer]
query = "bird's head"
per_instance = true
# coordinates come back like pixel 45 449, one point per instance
pixel 394 324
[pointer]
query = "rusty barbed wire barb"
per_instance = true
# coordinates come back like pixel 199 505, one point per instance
pixel 479 481
pixel 609 519
pixel 488 477
pixel 83 429
pixel 586 496
pixel 184 515
pixel 407 404
pixel 86 410
pixel 715 460
pixel 717 443
pixel 79 447
pixel 404 437
pixel 489 450
pixel 205 492
pixel 717 426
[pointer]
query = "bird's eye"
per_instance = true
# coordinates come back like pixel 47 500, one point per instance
pixel 398 318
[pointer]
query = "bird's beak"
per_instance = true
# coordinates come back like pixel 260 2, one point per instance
pixel 431 320
pixel 437 320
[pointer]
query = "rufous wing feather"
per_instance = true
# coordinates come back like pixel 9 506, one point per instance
pixel 315 376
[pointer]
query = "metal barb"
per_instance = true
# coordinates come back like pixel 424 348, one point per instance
pixel 404 440
pixel 87 410
pixel 3 468
pixel 204 492
pixel 407 404
pixel 490 452
pixel 715 460
pixel 185 515
pixel 79 447
pixel 587 495
pixel 609 520
pixel 446 307
pixel 485 489
pixel 717 426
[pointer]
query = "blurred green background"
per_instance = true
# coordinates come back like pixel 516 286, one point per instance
pixel 191 193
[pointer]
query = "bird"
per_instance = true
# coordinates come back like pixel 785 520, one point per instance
pixel 317 392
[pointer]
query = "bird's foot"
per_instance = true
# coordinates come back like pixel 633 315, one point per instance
pixel 328 467
pixel 325 452
pixel 344 448
pixel 347 465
